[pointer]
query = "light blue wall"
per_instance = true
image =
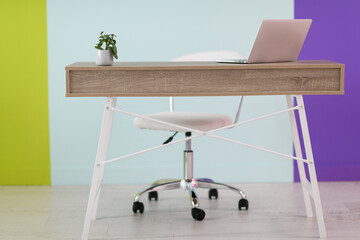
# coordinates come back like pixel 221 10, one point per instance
pixel 159 31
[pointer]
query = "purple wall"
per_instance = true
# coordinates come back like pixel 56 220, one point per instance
pixel 334 121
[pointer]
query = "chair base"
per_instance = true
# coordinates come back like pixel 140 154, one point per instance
pixel 190 185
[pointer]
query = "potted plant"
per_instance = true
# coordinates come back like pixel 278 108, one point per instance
pixel 105 56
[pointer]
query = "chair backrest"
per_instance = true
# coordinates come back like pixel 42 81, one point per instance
pixel 209 56
pixel 205 56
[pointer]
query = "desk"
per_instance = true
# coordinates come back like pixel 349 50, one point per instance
pixel 125 79
pixel 85 79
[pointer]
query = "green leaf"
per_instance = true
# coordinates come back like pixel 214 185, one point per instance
pixel 110 43
pixel 115 52
pixel 98 46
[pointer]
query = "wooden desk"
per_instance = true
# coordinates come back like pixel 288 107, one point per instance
pixel 126 79
pixel 85 79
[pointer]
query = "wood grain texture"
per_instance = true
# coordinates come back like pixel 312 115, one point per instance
pixel 204 79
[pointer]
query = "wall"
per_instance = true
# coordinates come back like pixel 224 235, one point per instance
pixel 160 30
pixel 334 120
pixel 155 31
pixel 24 125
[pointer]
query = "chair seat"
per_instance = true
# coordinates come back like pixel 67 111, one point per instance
pixel 198 121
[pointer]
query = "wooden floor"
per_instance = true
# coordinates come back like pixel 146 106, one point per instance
pixel 276 212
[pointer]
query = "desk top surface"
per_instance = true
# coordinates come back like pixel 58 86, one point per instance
pixel 201 65
pixel 128 79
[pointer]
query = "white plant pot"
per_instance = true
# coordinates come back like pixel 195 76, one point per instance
pixel 104 58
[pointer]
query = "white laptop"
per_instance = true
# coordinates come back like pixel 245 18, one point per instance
pixel 277 41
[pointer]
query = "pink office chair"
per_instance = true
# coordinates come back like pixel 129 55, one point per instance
pixel 193 120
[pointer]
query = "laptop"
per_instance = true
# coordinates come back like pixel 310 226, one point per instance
pixel 277 41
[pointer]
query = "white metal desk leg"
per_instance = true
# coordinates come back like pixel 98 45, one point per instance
pixel 102 150
pixel 311 166
pixel 298 154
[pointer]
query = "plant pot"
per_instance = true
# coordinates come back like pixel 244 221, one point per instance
pixel 104 58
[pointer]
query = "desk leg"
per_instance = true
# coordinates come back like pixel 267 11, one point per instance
pixel 99 169
pixel 298 154
pixel 311 166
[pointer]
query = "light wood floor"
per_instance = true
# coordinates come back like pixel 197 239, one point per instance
pixel 276 212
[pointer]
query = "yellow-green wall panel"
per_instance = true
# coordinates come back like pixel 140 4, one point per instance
pixel 24 124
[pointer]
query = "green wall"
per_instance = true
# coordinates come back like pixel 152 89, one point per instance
pixel 24 124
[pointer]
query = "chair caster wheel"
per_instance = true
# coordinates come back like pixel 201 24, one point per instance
pixel 138 206
pixel 243 204
pixel 213 192
pixel 153 195
pixel 198 214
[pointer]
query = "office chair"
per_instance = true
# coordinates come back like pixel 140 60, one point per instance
pixel 193 120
